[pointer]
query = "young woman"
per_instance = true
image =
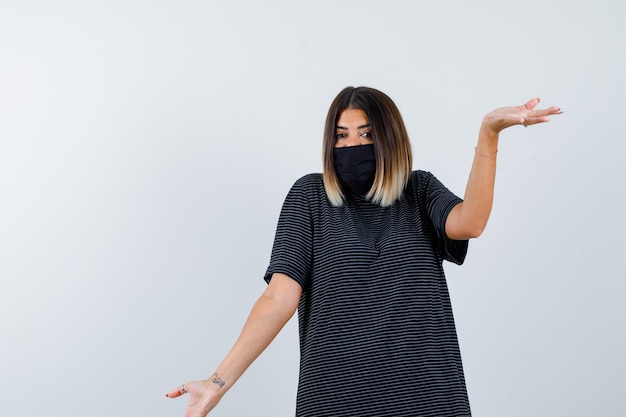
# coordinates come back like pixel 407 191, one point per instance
pixel 359 252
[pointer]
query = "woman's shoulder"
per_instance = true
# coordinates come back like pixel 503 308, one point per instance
pixel 310 179
pixel 418 173
pixel 306 190
pixel 421 177
pixel 308 184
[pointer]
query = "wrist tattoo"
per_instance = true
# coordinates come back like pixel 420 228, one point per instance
pixel 216 380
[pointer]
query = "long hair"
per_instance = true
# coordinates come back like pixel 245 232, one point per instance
pixel 394 160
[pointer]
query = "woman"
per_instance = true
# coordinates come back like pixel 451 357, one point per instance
pixel 359 251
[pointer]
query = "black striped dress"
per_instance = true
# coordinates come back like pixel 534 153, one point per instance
pixel 377 335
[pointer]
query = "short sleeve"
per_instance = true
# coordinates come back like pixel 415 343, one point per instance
pixel 293 242
pixel 439 201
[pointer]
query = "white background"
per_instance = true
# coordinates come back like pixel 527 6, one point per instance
pixel 146 148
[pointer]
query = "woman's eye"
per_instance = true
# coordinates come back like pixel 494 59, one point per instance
pixel 366 134
pixel 340 135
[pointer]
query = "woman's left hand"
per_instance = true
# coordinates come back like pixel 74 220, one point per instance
pixel 203 397
pixel 524 115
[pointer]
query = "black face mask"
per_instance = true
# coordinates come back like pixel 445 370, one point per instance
pixel 355 167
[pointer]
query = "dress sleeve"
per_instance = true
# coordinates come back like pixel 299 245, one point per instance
pixel 292 249
pixel 439 201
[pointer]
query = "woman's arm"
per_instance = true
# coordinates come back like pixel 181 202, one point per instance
pixel 469 218
pixel 272 310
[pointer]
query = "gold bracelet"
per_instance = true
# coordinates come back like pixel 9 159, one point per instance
pixel 484 156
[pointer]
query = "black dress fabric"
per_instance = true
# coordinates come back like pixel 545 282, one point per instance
pixel 377 333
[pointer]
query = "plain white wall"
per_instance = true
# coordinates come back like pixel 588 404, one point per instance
pixel 146 148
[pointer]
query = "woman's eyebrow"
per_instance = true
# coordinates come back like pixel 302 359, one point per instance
pixel 360 127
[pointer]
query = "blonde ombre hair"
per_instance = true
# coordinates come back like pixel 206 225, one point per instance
pixel 394 160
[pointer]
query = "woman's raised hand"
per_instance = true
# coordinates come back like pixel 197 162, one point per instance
pixel 524 115
pixel 203 397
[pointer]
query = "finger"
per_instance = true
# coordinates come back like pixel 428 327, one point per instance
pixel 175 393
pixel 530 104
pixel 554 110
pixel 541 116
pixel 536 120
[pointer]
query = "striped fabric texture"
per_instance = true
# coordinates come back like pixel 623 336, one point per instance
pixel 377 334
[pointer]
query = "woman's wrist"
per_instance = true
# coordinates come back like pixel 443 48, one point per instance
pixel 483 155
pixel 215 379
pixel 215 386
pixel 487 141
